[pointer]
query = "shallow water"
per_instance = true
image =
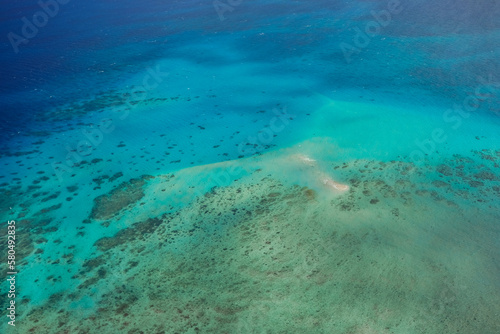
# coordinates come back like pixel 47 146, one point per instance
pixel 172 172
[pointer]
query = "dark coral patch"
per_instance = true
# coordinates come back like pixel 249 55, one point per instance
pixel 72 189
pixel 115 176
pixel 136 231
pixel 445 170
pixel 127 193
pixel 486 175
pixel 53 196
pixel 92 264
pixel 51 208
pixel 310 194
pixel 439 184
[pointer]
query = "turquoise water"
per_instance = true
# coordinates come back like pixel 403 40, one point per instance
pixel 173 170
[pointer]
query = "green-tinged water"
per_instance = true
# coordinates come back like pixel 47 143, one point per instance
pixel 267 248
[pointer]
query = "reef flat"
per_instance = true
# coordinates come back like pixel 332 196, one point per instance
pixel 395 253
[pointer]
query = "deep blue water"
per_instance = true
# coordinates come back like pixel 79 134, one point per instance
pixel 78 52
